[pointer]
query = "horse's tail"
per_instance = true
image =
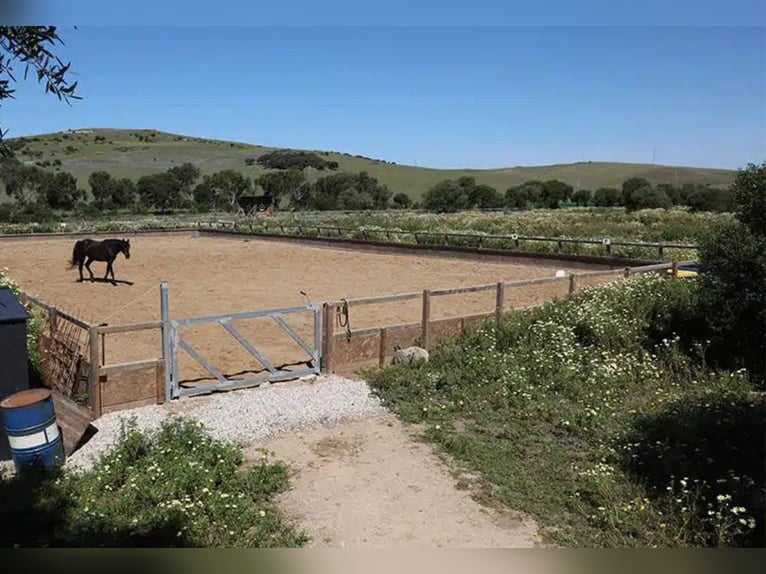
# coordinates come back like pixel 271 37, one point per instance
pixel 78 253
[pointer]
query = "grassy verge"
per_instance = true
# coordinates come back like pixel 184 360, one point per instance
pixel 174 487
pixel 598 416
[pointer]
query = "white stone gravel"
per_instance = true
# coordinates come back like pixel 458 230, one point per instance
pixel 246 415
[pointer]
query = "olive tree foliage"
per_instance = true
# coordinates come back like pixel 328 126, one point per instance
pixel 31 48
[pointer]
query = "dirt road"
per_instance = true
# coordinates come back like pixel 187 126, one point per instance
pixel 368 483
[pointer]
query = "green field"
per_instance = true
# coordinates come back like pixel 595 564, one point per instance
pixel 123 154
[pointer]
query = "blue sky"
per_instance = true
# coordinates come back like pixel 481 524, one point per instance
pixel 472 96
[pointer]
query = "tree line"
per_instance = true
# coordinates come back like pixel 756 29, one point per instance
pixel 635 193
pixel 38 192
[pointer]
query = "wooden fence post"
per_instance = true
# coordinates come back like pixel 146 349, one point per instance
pixel 425 328
pixel 674 267
pixel 167 351
pixel 500 302
pixel 160 381
pixel 627 272
pixel 53 317
pixel 329 337
pixel 383 346
pixel 94 378
pixel 572 284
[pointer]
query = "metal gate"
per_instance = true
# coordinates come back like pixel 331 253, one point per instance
pixel 173 343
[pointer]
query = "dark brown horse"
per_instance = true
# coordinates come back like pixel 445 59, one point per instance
pixel 86 251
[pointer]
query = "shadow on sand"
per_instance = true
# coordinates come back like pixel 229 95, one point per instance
pixel 114 282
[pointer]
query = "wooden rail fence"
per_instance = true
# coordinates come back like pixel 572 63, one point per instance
pixel 102 378
pixel 124 385
pixel 434 237
pixel 375 344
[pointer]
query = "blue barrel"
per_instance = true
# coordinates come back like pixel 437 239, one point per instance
pixel 29 420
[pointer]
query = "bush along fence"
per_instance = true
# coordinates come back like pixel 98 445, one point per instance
pixel 521 244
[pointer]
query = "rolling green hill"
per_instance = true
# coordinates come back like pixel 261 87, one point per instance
pixel 133 153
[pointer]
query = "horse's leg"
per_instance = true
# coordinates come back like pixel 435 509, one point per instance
pixel 88 261
pixel 109 269
pixel 80 269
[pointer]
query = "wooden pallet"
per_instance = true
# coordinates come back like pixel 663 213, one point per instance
pixel 62 355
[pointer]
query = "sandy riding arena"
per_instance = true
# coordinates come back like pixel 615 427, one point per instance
pixel 217 275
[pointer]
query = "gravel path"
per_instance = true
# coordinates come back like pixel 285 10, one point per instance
pixel 246 415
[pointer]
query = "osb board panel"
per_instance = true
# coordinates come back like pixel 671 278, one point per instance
pixel 126 406
pixel 445 329
pixel 360 348
pixel 364 350
pixel 351 369
pixel 404 337
pixel 129 387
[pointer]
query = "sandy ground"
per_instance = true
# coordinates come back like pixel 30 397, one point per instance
pixel 367 483
pixel 210 275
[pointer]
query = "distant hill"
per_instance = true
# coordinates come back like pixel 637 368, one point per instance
pixel 136 152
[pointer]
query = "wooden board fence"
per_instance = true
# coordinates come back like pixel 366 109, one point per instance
pixel 344 352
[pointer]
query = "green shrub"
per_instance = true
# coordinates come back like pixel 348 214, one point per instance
pixel 172 487
pixel 290 159
pixel 6 211
pixel 29 213
pixel 402 201
pixel 750 197
pixel 733 283
pixel 554 407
